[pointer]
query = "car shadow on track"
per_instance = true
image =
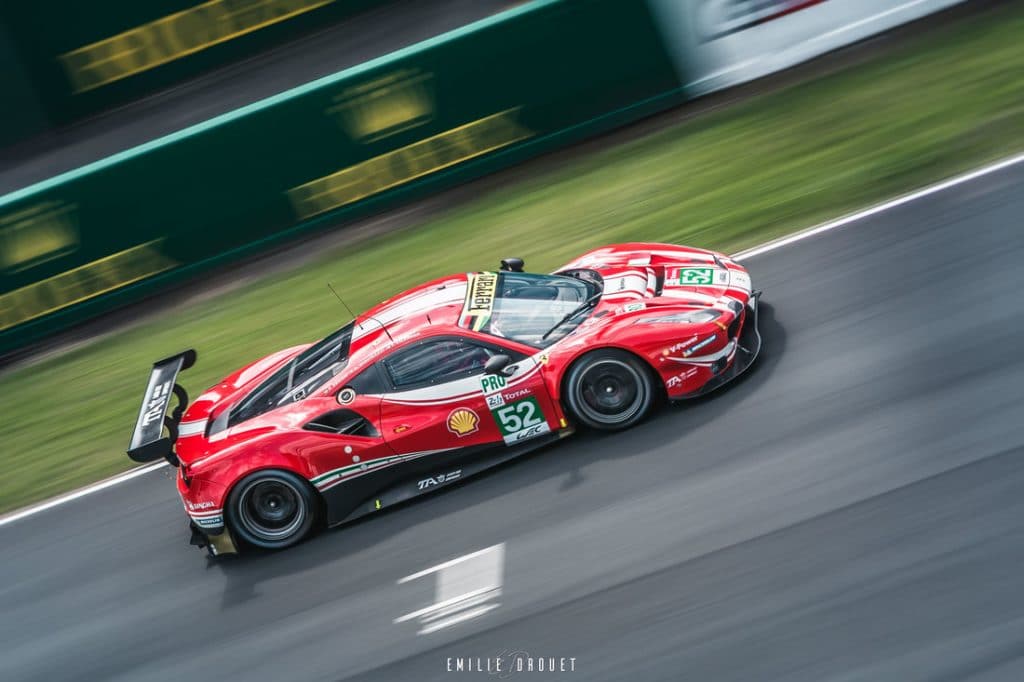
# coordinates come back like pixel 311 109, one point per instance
pixel 713 410
pixel 568 461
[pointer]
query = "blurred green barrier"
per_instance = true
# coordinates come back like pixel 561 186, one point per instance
pixel 84 57
pixel 22 113
pixel 440 112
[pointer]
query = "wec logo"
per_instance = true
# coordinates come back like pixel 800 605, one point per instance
pixel 439 479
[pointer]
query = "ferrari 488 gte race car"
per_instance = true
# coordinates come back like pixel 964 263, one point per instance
pixel 442 382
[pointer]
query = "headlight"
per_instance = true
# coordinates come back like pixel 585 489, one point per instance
pixel 691 317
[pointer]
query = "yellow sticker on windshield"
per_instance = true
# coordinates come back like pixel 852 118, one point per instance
pixel 480 293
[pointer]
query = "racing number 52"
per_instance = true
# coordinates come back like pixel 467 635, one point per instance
pixel 518 416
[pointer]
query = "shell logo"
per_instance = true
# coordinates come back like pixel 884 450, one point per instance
pixel 463 421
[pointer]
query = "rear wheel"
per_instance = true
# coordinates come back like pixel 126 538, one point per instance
pixel 610 390
pixel 272 509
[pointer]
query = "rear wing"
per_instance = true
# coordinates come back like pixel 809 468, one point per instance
pixel 148 440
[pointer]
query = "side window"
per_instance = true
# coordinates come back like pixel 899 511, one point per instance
pixel 436 362
pixel 368 381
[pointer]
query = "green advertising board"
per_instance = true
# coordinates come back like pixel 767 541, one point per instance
pixel 21 112
pixel 85 57
pixel 440 112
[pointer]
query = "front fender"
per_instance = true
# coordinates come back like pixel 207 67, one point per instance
pixel 567 358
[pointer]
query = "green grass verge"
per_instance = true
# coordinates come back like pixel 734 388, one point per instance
pixel 941 103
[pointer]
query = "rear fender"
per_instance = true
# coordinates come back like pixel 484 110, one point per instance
pixel 259 460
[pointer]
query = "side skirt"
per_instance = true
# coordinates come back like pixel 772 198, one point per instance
pixel 438 473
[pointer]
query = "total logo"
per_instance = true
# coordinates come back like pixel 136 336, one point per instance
pixel 440 479
pixel 496 400
pixel 514 395
pixel 463 421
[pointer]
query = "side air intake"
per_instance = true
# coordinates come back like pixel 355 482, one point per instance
pixel 343 422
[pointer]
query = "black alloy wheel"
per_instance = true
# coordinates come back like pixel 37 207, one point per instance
pixel 272 509
pixel 610 390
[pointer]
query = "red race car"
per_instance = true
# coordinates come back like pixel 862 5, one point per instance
pixel 442 382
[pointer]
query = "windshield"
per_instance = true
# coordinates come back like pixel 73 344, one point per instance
pixel 527 306
pixel 306 372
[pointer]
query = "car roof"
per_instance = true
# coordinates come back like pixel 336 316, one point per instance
pixel 428 309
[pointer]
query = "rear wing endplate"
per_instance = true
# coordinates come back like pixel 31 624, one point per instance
pixel 148 440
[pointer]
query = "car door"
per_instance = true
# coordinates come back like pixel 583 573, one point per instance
pixel 350 461
pixel 343 441
pixel 440 399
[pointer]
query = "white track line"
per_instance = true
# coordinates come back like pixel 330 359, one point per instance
pixel 81 492
pixel 453 562
pixel 880 208
pixel 742 255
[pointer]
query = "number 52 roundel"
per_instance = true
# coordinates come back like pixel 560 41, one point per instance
pixel 520 420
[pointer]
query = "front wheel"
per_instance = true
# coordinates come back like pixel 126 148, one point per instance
pixel 610 390
pixel 272 509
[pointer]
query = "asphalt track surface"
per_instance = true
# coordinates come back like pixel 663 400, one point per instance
pixel 850 510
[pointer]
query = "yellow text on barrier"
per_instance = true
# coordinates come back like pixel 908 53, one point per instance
pixel 175 36
pixel 408 163
pixel 87 281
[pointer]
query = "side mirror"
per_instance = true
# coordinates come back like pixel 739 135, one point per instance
pixel 512 264
pixel 498 364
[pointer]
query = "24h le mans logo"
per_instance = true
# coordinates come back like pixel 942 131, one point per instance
pixel 696 276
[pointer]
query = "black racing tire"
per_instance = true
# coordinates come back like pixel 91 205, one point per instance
pixel 272 509
pixel 609 390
